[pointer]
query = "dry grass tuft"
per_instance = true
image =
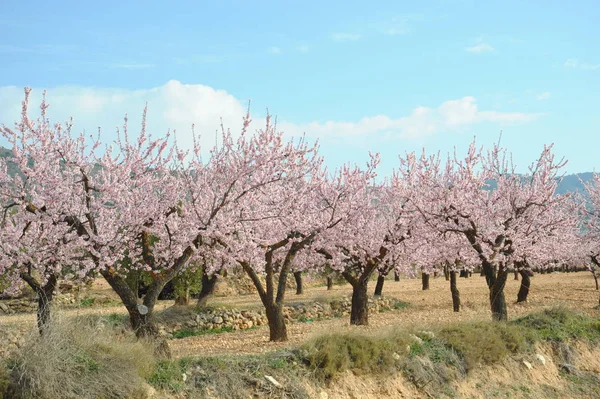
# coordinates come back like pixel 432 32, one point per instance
pixel 81 358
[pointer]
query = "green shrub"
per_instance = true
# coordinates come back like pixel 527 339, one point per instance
pixel 333 353
pixel 85 302
pixel 168 375
pixel 486 342
pixel 81 358
pixel 560 324
pixel 401 305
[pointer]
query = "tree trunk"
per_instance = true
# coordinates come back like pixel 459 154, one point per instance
pixel 208 287
pixel 464 273
pixel 359 313
pixel 140 315
pixel 379 285
pixel 455 292
pixel 396 276
pixel 497 299
pixel 329 283
pixel 425 281
pixel 447 272
pixel 298 279
pixel 516 273
pixel 595 262
pixel 277 328
pixel 45 295
pixel 272 302
pixel 525 284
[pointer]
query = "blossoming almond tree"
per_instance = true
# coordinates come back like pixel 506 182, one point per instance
pixel 373 236
pixel 499 222
pixel 115 201
pixel 36 246
pixel 589 236
pixel 275 224
pixel 269 230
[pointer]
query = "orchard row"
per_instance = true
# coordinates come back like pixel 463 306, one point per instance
pixel 74 207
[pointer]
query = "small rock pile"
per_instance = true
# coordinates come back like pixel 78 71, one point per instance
pixel 234 319
pixel 215 319
pixel 12 306
pixel 64 300
pixel 11 340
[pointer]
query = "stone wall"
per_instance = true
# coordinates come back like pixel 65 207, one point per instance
pixel 235 319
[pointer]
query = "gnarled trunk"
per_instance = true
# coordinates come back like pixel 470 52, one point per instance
pixel 141 315
pixel 425 281
pixel 271 297
pixel 45 294
pixel 208 287
pixel 455 292
pixel 595 262
pixel 497 299
pixel 298 279
pixel 525 284
pixel 379 285
pixel 277 328
pixel 359 312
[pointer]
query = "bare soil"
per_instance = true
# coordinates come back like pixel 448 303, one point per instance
pixel 427 308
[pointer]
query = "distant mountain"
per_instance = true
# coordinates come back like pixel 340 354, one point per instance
pixel 574 183
pixel 12 167
pixel 569 183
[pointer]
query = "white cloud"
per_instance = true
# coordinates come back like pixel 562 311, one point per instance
pixel 575 64
pixel 544 95
pixel 398 25
pixel 274 50
pixel 480 48
pixel 303 48
pixel 422 121
pixel 396 31
pixel 345 37
pixel 173 105
pixel 589 67
pixel 177 106
pixel 571 63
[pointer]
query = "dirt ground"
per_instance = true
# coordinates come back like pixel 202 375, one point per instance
pixel 427 308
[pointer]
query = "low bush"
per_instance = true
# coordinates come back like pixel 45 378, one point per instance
pixel 81 358
pixel 560 324
pixel 431 359
pixel 486 342
pixel 333 353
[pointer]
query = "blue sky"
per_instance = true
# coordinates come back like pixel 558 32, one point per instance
pixel 384 76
